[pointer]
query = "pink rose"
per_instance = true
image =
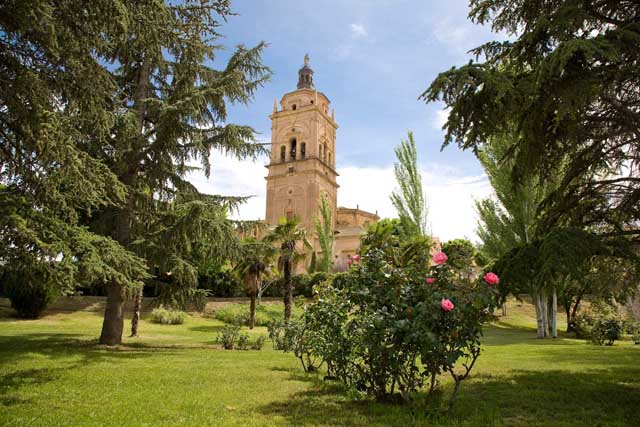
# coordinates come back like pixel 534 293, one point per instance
pixel 491 278
pixel 356 258
pixel 431 280
pixel 446 304
pixel 440 258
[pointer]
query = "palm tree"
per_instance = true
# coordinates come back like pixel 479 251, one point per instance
pixel 256 260
pixel 288 233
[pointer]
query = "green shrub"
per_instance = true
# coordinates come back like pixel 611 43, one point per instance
pixel 29 289
pixel 282 336
pixel 229 335
pixel 243 342
pixel 602 324
pixel 265 313
pixel 168 317
pixel 385 329
pixel 258 343
pixel 634 331
pixel 220 284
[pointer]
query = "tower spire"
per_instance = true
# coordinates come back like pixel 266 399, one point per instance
pixel 305 75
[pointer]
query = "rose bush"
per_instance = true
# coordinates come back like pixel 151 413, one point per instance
pixel 391 325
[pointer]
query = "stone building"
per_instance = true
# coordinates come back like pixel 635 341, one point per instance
pixel 302 167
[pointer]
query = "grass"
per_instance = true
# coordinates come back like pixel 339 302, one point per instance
pixel 52 373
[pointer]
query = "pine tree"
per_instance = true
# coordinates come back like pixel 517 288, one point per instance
pixel 55 104
pixel 568 79
pixel 126 98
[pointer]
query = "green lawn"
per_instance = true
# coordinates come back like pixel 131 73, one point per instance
pixel 52 373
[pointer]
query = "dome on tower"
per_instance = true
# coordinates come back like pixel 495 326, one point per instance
pixel 305 75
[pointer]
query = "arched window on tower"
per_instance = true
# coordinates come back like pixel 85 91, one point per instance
pixel 320 151
pixel 283 153
pixel 293 148
pixel 303 150
pixel 329 157
pixel 324 152
pixel 293 107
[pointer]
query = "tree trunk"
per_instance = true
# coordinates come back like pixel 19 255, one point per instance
pixel 252 307
pixel 288 290
pixel 504 309
pixel 135 318
pixel 539 317
pixel 554 314
pixel 545 313
pixel 113 322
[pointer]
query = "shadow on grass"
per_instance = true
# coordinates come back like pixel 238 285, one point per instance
pixel 11 382
pixel 607 397
pixel 504 333
pixel 210 329
pixel 66 345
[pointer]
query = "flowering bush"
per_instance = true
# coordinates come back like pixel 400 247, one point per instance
pixel 393 326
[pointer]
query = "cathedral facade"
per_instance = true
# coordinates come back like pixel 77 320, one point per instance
pixel 302 167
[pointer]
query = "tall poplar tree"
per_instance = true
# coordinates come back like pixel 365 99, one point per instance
pixel 410 200
pixel 324 231
pixel 510 219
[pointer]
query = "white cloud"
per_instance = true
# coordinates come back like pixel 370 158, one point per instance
pixel 358 30
pixel 450 196
pixel 345 49
pixel 450 193
pixel 232 177
pixel 440 118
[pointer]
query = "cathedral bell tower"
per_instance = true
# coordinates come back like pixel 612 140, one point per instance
pixel 303 152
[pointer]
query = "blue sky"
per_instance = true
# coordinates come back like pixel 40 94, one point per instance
pixel 372 59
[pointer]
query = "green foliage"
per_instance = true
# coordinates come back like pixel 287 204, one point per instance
pixel 243 342
pixel 30 289
pixel 258 343
pixel 289 235
pixel 410 200
pixel 324 232
pixel 265 313
pixel 461 254
pixel 174 295
pixel 510 219
pixel 220 283
pixel 400 247
pixel 601 324
pixel 229 335
pixel 166 316
pixel 384 321
pixel 567 66
pixel 257 260
pixel 110 107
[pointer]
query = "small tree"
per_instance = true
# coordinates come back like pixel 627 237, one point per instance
pixel 324 231
pixel 410 200
pixel 461 254
pixel 256 261
pixel 288 234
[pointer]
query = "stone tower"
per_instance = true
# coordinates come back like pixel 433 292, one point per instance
pixel 302 162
